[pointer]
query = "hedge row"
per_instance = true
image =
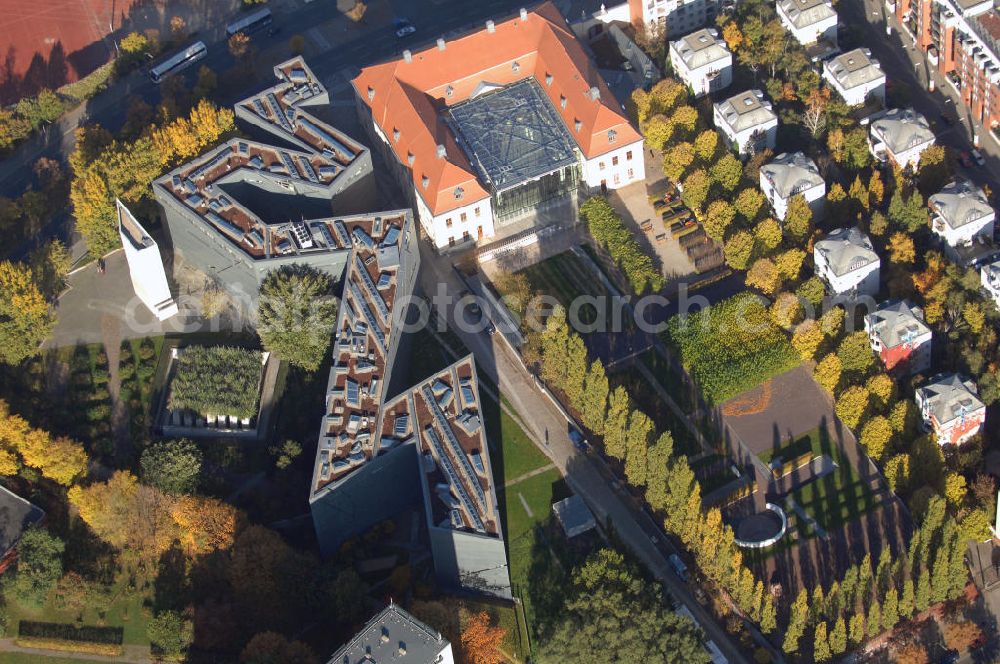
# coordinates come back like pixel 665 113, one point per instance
pixel 70 632
pixel 63 645
pixel 609 231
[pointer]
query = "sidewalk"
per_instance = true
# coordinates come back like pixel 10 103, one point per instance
pixel 131 655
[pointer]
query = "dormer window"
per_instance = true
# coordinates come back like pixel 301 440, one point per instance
pixel 425 181
pixel 459 192
pixel 395 134
pixel 562 101
pixel 449 91
pixel 577 125
pixel 612 136
pixel 548 79
pixel 516 66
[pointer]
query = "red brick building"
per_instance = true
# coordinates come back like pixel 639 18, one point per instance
pixel 962 40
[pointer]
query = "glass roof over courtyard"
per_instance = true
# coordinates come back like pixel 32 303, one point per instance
pixel 512 134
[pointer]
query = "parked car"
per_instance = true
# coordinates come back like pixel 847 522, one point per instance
pixel 579 442
pixel 683 227
pixel 947 119
pixel 965 159
pixel 977 156
pixel 679 567
pixel 403 28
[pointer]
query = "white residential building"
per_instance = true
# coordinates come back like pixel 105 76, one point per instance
pixel 678 17
pixel 899 336
pixel 846 261
pixel 703 61
pixel 791 175
pixel 809 20
pixel 900 137
pixel 394 635
pixel 962 213
pixel 990 274
pixel 145 265
pixel 855 76
pixel 747 121
pixel 951 408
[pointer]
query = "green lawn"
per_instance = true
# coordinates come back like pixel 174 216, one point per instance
pixel 837 498
pixel 520 455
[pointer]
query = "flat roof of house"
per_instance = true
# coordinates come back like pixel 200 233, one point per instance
pixel 408 95
pixel 847 250
pixel 16 515
pixel 791 173
pixel 902 129
pixel 574 515
pixel 511 134
pixel 803 13
pixel 316 157
pixel 898 322
pixel 854 68
pixel 746 110
pixel 960 203
pixel 950 397
pixel 700 48
pixel 392 636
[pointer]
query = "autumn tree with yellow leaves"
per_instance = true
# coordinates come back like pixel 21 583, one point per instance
pixel 25 317
pixel 57 458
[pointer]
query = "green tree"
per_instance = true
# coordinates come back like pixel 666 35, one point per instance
pixel 855 353
pixel 577 365
pixel 657 131
pixel 874 621
pixel 768 616
pixel 296 315
pixel 768 235
pixel 173 466
pixel 637 440
pixel 838 636
pixel 807 339
pixel 170 633
pixel 812 290
pixel 827 372
pixel 907 600
pixel 696 186
pixel 39 566
pixel 727 172
pixel 676 161
pixel 796 622
pixel 25 317
pixel 739 250
pixel 798 219
pixel 273 648
pixel 610 611
pixel 749 202
pixel 897 472
pixel 619 407
pixel 594 406
pixel 821 643
pixel 718 218
pixel 922 599
pixel 875 437
pixel 852 405
pixel 890 611
pixel 955 489
pixel 706 144
pixel 856 629
pixel 657 468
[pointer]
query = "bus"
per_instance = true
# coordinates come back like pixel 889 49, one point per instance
pixel 252 22
pixel 178 62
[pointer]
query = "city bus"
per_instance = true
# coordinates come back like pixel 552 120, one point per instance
pixel 178 62
pixel 252 22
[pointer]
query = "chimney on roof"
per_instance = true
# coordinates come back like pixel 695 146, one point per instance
pixel 491 27
pixel 441 153
pixel 407 56
pixel 524 14
pixel 440 43
pixel 371 93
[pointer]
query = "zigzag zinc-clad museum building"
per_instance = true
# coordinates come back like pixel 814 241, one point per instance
pixel 486 129
pixel 227 211
pixel 232 214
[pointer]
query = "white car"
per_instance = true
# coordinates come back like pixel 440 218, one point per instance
pixel 977 156
pixel 405 31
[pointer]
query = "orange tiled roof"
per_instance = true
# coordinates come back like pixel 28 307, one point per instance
pixel 406 98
